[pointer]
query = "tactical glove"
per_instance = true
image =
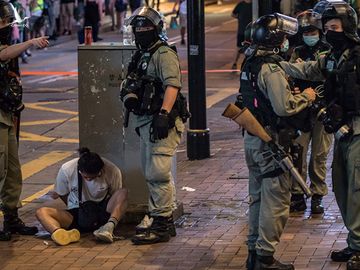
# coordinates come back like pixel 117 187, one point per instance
pixel 160 126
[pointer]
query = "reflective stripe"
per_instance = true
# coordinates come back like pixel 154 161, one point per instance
pixel 244 76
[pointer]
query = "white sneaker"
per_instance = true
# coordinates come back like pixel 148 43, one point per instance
pixel 104 233
pixel 145 223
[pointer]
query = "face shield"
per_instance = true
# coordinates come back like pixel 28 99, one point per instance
pixel 286 24
pixel 309 21
pixel 10 15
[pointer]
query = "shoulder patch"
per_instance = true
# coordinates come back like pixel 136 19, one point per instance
pixel 274 67
pixel 163 49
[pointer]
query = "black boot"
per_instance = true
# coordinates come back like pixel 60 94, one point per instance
pixel 354 261
pixel 316 204
pixel 342 255
pixel 158 232
pixel 298 203
pixel 268 262
pixel 5 236
pixel 13 224
pixel 250 261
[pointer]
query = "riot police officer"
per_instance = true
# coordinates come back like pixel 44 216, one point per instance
pixel 267 94
pixel 341 116
pixel 312 48
pixel 151 92
pixel 10 107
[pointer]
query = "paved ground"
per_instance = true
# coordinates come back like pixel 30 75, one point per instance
pixel 212 232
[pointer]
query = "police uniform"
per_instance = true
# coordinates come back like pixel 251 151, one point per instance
pixel 267 94
pixel 10 169
pixel 270 196
pixel 320 140
pixel 342 117
pixel 346 162
pixel 154 78
pixel 157 156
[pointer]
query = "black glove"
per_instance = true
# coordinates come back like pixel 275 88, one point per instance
pixel 160 126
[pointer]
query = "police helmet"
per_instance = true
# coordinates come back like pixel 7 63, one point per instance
pixel 247 34
pixel 347 15
pixel 147 16
pixel 309 21
pixel 270 30
pixel 6 11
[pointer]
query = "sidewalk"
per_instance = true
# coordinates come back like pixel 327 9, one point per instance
pixel 211 234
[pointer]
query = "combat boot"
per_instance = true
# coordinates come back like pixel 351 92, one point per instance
pixel 342 255
pixel 316 204
pixel 146 222
pixel 13 224
pixel 158 232
pixel 354 262
pixel 250 261
pixel 298 203
pixel 268 262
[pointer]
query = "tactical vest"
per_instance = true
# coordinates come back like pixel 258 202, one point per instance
pixel 307 53
pixel 10 89
pixel 343 83
pixel 259 105
pixel 151 91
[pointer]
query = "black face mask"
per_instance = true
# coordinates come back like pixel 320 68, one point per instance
pixel 5 35
pixel 337 40
pixel 146 38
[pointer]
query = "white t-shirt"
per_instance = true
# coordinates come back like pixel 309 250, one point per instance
pixel 182 9
pixel 95 190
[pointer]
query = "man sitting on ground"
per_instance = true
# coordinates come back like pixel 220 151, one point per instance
pixel 102 202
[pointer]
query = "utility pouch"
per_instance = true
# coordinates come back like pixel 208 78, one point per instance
pixel 296 152
pixel 183 111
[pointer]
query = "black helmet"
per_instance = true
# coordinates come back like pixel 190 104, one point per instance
pixel 269 30
pixel 308 21
pixel 247 34
pixel 148 15
pixel 347 15
pixel 6 11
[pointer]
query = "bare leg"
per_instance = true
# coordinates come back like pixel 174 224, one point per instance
pixel 52 219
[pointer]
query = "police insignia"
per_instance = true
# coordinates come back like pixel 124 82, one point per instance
pixel 330 65
pixel 274 67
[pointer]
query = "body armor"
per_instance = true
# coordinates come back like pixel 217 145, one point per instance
pixel 343 84
pixel 259 105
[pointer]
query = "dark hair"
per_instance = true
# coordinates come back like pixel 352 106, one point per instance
pixel 89 162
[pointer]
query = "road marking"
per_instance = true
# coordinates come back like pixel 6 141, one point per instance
pixel 36 165
pixel 218 96
pixel 37 195
pixel 36 106
pixel 27 136
pixel 49 122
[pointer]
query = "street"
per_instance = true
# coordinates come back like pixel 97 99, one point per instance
pixel 212 232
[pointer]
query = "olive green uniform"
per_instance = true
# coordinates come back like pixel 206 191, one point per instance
pixel 346 162
pixel 269 197
pixel 157 156
pixel 10 169
pixel 320 147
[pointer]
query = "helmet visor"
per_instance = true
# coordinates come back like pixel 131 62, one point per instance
pixel 146 12
pixel 308 19
pixel 286 24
